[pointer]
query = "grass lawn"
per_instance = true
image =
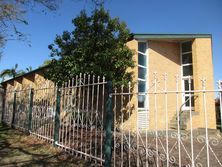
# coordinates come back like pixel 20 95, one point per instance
pixel 18 149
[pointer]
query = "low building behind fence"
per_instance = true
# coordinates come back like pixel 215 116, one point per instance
pixel 110 127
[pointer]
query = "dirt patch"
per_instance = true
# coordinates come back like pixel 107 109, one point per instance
pixel 18 149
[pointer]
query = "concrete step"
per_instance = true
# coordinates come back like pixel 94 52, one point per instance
pixel 174 126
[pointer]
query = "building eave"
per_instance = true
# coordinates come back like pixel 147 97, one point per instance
pixel 170 36
pixel 24 75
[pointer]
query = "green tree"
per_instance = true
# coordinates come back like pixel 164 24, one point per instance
pixel 11 73
pixel 45 63
pixel 97 45
pixel 28 69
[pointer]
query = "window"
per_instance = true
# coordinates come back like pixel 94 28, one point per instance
pixel 187 87
pixel 186 46
pixel 187 71
pixel 142 73
pixel 187 74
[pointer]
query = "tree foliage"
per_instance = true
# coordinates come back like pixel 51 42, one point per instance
pixel 45 63
pixel 11 72
pixel 97 45
pixel 28 69
pixel 13 12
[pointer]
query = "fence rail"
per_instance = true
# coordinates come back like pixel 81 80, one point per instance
pixel 87 117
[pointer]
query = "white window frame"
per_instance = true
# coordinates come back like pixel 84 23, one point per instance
pixel 186 108
pixel 183 78
pixel 146 103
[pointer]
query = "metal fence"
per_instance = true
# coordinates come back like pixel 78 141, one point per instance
pixel 88 118
pixel 158 143
pixel 70 116
pixel 82 115
pixel 43 112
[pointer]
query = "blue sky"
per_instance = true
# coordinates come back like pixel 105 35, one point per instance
pixel 141 16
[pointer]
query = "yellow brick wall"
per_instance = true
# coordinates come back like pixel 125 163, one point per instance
pixel 131 122
pixel 203 68
pixel 164 57
pixel 28 82
pixel 9 86
pixel 17 85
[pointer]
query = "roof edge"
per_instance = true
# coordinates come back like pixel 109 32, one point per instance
pixel 23 75
pixel 170 36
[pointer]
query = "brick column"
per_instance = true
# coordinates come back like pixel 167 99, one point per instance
pixel 203 68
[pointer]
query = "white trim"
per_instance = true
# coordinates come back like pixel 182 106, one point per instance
pixel 141 52
pixel 188 64
pixel 187 77
pixel 139 79
pixel 183 95
pixel 142 66
pixel 146 105
pixel 185 53
pixel 143 113
pixel 185 108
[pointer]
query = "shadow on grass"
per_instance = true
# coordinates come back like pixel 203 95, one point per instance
pixel 17 149
pixel 2 129
pixel 46 160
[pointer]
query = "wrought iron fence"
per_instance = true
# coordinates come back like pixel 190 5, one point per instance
pixel 9 107
pixel 43 113
pixel 88 118
pixel 82 116
pixel 165 140
pixel 70 116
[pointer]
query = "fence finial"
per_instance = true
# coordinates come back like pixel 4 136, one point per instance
pixel 93 79
pixel 203 80
pixel 219 83
pixel 84 76
pixel 165 76
pixel 155 75
pixel 129 85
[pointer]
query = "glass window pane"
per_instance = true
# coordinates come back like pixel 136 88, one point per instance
pixel 187 46
pixel 187 70
pixel 142 60
pixel 141 101
pixel 142 47
pixel 187 58
pixel 142 73
pixel 142 86
pixel 187 99
pixel 186 85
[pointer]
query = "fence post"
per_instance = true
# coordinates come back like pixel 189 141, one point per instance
pixel 108 128
pixel 30 110
pixel 3 106
pixel 57 116
pixel 14 110
pixel 220 99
